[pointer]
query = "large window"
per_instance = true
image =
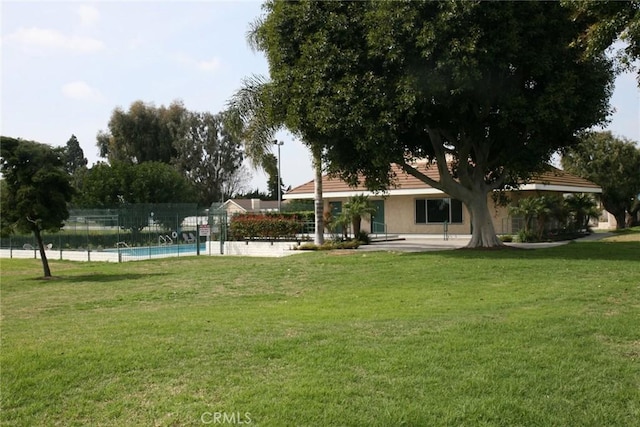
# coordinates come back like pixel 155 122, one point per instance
pixel 437 211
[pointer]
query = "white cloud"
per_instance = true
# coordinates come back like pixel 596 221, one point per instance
pixel 210 65
pixel 88 15
pixel 42 39
pixel 81 91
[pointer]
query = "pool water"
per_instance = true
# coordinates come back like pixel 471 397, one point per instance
pixel 189 248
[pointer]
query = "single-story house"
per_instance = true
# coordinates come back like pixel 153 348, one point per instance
pixel 242 206
pixel 413 207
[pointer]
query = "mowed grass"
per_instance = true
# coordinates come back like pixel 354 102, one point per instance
pixel 547 337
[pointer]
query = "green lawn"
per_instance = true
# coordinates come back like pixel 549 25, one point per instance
pixel 547 337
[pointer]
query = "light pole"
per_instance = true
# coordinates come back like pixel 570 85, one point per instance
pixel 279 144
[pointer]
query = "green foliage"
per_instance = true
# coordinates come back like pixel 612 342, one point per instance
pixel 144 133
pixel 527 236
pixel 330 245
pixel 205 148
pixel 259 226
pixel 74 156
pixel 362 237
pixel 611 162
pixel 581 208
pixel 571 214
pixel 493 87
pixel 209 154
pixel 357 206
pixel 36 191
pixel 111 186
pixel 609 21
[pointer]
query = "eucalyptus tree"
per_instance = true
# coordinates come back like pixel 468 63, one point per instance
pixel 209 154
pixel 36 190
pixel 486 91
pixel 143 133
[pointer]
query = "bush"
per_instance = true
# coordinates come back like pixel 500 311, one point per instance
pixel 506 238
pixel 329 245
pixel 363 237
pixel 526 236
pixel 266 227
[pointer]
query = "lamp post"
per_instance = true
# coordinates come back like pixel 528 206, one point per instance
pixel 279 144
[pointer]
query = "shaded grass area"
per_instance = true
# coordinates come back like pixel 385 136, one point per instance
pixel 521 337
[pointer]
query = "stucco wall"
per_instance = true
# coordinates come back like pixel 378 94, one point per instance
pixel 399 213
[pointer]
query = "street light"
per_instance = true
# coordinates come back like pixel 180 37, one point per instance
pixel 279 144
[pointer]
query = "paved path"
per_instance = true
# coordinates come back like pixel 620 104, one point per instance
pixel 424 244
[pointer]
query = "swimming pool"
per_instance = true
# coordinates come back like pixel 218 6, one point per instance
pixel 166 250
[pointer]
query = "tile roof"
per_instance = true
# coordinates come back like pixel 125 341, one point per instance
pixel 553 179
pixel 246 204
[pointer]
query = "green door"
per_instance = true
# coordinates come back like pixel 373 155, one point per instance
pixel 377 218
pixel 336 210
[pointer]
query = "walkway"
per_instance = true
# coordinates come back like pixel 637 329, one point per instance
pixel 423 243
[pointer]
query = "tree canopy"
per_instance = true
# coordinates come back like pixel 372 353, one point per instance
pixel 607 22
pixel 205 148
pixel 144 133
pixel 614 164
pixel 112 186
pixel 486 91
pixel 36 191
pixel 209 154
pixel 74 155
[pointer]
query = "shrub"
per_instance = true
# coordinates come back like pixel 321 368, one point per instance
pixel 363 237
pixel 267 227
pixel 526 236
pixel 506 238
pixel 306 247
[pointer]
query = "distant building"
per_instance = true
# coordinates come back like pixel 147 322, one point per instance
pixel 242 206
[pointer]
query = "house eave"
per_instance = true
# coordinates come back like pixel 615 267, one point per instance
pixel 558 188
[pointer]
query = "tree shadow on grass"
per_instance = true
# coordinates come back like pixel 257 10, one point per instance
pixel 606 251
pixel 102 277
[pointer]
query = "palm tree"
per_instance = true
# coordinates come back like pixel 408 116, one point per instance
pixel 357 207
pixel 583 208
pixel 254 106
pixel 531 208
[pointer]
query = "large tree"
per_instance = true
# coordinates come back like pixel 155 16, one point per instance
pixel 486 91
pixel 111 186
pixel 612 163
pixel 144 133
pixel 74 156
pixel 36 191
pixel 209 154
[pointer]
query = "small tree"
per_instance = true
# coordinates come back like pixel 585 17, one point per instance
pixel 612 163
pixel 38 189
pixel 533 208
pixel 582 208
pixel 356 208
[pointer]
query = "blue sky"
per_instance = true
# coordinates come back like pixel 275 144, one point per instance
pixel 67 65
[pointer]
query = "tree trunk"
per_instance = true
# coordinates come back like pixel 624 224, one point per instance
pixel 483 234
pixel 43 254
pixel 621 219
pixel 318 202
pixel 356 222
